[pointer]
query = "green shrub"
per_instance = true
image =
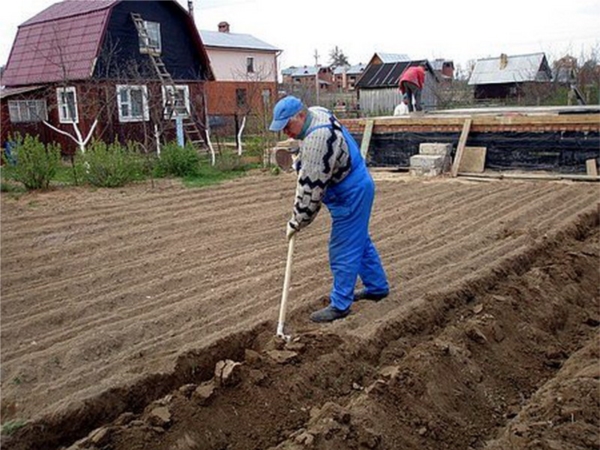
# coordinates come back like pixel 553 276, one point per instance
pixel 177 161
pixel 31 163
pixel 109 166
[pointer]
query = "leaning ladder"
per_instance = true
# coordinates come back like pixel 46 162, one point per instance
pixel 190 128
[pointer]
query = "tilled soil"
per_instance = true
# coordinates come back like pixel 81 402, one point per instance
pixel 145 318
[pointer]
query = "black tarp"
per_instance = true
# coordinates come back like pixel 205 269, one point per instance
pixel 562 152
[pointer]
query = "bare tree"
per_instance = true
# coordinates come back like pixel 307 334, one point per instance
pixel 337 58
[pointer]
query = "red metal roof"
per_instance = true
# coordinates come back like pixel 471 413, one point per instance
pixel 59 43
pixel 69 8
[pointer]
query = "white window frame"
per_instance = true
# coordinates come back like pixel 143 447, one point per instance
pixel 153 44
pixel 21 111
pixel 67 111
pixel 180 110
pixel 125 104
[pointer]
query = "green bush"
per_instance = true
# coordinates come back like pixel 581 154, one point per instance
pixel 177 161
pixel 31 163
pixel 109 166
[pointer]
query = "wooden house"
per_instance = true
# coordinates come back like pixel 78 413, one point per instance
pixel 378 92
pixel 509 76
pixel 126 70
pixel 245 84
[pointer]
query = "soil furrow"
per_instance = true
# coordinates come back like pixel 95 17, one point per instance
pixel 100 318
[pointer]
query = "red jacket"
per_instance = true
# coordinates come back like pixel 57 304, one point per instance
pixel 414 75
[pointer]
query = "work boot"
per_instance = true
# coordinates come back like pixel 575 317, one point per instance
pixel 375 297
pixel 328 314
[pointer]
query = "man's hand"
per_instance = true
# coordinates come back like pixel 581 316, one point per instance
pixel 290 231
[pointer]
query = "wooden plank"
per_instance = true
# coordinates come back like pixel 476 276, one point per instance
pixel 591 167
pixel 530 176
pixel 592 120
pixel 461 146
pixel 366 138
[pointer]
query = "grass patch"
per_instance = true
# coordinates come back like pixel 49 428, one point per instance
pixel 13 188
pixel 11 426
pixel 65 175
pixel 209 175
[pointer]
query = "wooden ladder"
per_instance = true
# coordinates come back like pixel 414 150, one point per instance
pixel 192 132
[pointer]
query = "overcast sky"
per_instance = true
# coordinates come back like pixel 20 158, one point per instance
pixel 458 30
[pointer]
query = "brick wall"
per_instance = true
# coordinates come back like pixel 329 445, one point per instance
pixel 222 97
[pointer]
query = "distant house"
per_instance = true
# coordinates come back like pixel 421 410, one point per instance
pixel 245 71
pixel 508 76
pixel 378 92
pixel 131 67
pixel 346 77
pixel 301 79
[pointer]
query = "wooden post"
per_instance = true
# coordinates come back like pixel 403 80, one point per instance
pixel 461 146
pixel 366 138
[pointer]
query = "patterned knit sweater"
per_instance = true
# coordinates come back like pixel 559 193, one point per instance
pixel 324 158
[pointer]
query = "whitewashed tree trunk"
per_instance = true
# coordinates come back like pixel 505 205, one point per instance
pixel 79 140
pixel 157 137
pixel 210 146
pixel 239 136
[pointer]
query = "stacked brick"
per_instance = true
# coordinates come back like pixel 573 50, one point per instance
pixel 433 160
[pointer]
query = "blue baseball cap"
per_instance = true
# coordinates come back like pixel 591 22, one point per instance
pixel 284 110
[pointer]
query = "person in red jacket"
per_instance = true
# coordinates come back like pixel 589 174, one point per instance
pixel 411 85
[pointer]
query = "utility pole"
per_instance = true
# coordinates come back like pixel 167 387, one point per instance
pixel 317 76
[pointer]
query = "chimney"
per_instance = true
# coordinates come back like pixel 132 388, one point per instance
pixel 503 61
pixel 191 8
pixel 223 27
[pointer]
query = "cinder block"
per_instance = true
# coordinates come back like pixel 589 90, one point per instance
pixel 430 148
pixel 420 172
pixel 427 162
pixel 429 165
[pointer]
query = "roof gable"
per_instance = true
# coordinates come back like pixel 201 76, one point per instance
pixel 53 45
pixel 511 69
pixel 63 42
pixel 385 58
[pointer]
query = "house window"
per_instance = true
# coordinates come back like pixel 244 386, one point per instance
pixel 67 105
pixel 27 110
pixel 176 101
pixel 240 97
pixel 153 43
pixel 133 103
pixel 250 64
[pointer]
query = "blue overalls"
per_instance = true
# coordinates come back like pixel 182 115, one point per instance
pixel 351 251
